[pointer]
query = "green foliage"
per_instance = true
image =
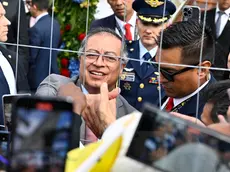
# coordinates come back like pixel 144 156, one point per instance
pixel 73 15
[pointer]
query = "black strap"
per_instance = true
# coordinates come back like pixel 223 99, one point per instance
pixel 179 106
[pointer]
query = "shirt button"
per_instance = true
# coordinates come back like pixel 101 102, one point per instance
pixel 142 85
pixel 139 99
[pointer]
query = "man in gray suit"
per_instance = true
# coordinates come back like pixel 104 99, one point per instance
pixel 100 67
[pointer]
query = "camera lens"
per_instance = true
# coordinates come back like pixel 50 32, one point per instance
pixel 185 14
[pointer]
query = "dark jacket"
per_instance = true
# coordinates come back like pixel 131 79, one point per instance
pixel 40 35
pixel 107 22
pixel 190 106
pixel 22 80
pixel 12 13
pixel 142 88
pixel 222 45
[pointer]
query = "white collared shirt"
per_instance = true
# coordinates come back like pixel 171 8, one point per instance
pixel 84 90
pixel 143 51
pixel 8 73
pixel 224 19
pixel 40 16
pixel 121 24
pixel 177 101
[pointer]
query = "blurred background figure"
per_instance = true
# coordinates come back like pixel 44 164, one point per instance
pixel 139 80
pixel 182 85
pixel 123 21
pixel 18 25
pixel 219 20
pixel 8 83
pixel 40 35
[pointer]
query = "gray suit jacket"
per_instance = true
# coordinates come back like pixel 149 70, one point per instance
pixel 50 85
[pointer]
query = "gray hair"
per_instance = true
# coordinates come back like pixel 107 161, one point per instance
pixel 124 53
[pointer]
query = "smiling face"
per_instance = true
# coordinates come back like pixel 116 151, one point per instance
pixel 4 22
pixel 101 69
pixel 148 33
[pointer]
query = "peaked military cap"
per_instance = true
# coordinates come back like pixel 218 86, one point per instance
pixel 152 11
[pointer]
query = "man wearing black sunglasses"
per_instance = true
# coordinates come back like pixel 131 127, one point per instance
pixel 183 72
pixel 139 80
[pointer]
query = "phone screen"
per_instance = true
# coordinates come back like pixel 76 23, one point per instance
pixel 159 137
pixel 41 136
pixel 7 108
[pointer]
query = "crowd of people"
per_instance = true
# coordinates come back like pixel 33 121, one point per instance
pixel 168 65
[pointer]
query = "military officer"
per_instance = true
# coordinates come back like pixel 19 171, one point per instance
pixel 139 80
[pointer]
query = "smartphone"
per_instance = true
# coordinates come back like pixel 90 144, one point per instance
pixel 41 134
pixel 7 101
pixel 191 13
pixel 159 136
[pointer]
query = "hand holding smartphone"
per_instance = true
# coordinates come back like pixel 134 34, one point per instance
pixel 191 13
pixel 7 102
pixel 42 134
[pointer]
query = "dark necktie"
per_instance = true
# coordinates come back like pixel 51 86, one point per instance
pixel 218 23
pixel 169 105
pixel 128 34
pixel 144 65
pixel 4 89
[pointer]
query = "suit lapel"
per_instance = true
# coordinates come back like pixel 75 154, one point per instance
pixel 119 105
pixel 134 53
pixel 110 22
pixel 9 57
pixel 211 20
pixel 226 29
pixel 113 22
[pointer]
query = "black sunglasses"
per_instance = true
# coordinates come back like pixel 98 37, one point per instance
pixel 169 75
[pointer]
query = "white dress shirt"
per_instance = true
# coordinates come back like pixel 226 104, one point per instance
pixel 177 101
pixel 40 16
pixel 224 19
pixel 143 51
pixel 121 24
pixel 8 73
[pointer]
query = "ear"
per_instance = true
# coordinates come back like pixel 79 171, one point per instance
pixel 34 6
pixel 137 20
pixel 168 23
pixel 204 71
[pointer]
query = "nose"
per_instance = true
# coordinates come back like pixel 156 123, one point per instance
pixel 99 61
pixel 148 31
pixel 6 21
pixel 120 2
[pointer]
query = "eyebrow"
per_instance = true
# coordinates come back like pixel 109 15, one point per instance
pixel 106 52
